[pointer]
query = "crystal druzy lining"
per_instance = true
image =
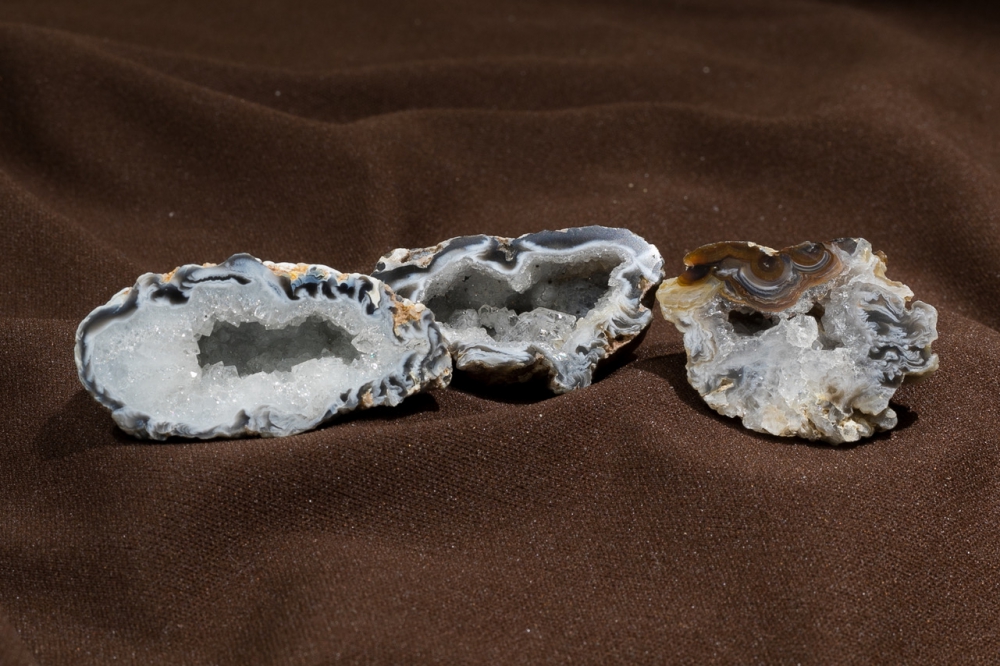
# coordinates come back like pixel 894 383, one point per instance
pixel 251 347
pixel 810 341
pixel 553 303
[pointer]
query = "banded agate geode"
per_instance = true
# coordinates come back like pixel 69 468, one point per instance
pixel 250 347
pixel 811 341
pixel 552 304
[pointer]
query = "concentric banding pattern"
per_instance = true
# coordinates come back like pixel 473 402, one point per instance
pixel 810 341
pixel 759 277
pixel 632 268
pixel 162 389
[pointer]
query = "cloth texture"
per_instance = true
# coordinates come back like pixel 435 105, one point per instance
pixel 622 523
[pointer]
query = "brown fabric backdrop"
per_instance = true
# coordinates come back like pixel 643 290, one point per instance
pixel 621 523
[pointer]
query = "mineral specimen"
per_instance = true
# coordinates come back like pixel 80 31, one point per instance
pixel 552 303
pixel 810 341
pixel 251 347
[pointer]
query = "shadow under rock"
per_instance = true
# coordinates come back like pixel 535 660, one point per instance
pixel 535 389
pixel 80 424
pixel 421 403
pixel 83 423
pixel 620 359
pixel 672 367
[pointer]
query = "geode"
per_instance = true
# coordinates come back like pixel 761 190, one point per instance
pixel 249 347
pixel 552 303
pixel 811 341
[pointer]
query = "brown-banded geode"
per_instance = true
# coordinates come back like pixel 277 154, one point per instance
pixel 249 347
pixel 552 304
pixel 811 341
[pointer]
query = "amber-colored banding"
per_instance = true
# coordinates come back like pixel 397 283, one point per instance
pixel 759 277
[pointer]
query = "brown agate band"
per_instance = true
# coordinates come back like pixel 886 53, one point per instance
pixel 759 277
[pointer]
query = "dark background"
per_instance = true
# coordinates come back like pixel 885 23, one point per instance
pixel 624 522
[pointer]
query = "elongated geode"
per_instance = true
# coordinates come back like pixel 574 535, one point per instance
pixel 811 341
pixel 249 347
pixel 552 303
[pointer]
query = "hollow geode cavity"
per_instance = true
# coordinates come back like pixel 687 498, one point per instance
pixel 250 347
pixel 811 341
pixel 554 303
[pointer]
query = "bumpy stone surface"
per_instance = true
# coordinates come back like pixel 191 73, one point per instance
pixel 552 303
pixel 250 347
pixel 810 341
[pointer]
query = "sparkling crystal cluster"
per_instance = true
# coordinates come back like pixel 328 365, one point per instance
pixel 251 347
pixel 553 303
pixel 810 341
pixel 505 325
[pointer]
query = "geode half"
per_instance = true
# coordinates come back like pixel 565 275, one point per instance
pixel 249 347
pixel 811 341
pixel 551 303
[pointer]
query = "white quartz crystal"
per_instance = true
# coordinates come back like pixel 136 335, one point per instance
pixel 247 347
pixel 811 342
pixel 552 304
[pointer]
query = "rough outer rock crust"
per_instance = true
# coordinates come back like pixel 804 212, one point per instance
pixel 593 283
pixel 398 340
pixel 811 341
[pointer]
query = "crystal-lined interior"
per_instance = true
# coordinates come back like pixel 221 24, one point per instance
pixel 250 347
pixel 223 354
pixel 824 367
pixel 545 308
